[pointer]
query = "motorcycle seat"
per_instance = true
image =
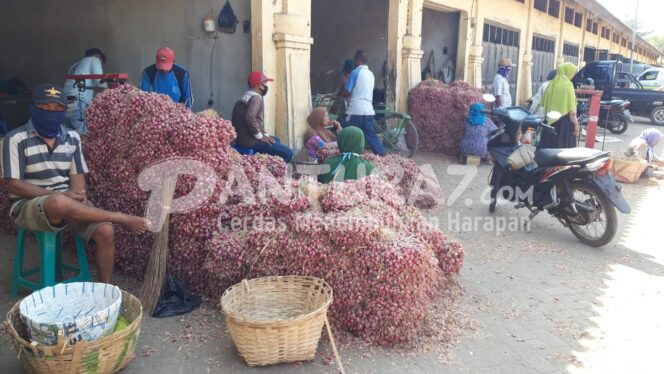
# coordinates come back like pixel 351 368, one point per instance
pixel 565 156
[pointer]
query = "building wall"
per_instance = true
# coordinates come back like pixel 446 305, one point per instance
pixel 523 17
pixel 364 27
pixel 572 34
pixel 439 30
pixel 503 12
pixel 51 35
pixel 543 24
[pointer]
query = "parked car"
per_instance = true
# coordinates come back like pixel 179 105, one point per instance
pixel 652 78
pixel 612 78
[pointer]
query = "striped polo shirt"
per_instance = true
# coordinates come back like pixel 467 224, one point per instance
pixel 27 157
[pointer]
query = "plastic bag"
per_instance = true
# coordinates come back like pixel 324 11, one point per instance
pixel 527 138
pixel 521 157
pixel 176 300
pixel 227 20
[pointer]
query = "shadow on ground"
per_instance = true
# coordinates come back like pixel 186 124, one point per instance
pixel 544 302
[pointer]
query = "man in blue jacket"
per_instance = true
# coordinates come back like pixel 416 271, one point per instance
pixel 168 78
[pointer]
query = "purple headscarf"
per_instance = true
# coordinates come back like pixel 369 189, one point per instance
pixel 652 137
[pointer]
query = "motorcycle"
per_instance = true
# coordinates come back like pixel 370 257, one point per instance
pixel 573 185
pixel 613 115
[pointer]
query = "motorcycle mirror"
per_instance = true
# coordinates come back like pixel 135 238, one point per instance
pixel 553 116
pixel 489 98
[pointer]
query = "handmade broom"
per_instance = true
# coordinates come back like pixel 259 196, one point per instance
pixel 155 275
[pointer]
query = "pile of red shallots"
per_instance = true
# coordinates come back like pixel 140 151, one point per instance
pixel 384 261
pixel 439 112
pixel 418 187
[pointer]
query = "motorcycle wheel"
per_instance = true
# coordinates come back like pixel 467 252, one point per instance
pixel 494 184
pixel 596 228
pixel 618 124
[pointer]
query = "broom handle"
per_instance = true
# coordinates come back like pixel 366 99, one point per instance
pixel 334 346
pixel 168 193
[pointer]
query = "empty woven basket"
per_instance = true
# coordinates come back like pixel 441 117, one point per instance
pixel 276 319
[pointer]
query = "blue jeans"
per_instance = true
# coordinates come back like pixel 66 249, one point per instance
pixel 366 124
pixel 276 149
pixel 75 116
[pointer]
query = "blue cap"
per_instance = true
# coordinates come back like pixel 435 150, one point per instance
pixel 49 93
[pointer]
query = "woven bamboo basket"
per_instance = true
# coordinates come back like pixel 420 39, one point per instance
pixel 628 169
pixel 277 319
pixel 107 355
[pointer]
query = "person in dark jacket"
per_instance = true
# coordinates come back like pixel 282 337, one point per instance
pixel 248 120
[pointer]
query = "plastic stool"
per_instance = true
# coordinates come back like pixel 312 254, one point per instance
pixel 51 266
pixel 243 151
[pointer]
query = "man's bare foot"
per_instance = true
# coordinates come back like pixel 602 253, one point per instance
pixel 135 225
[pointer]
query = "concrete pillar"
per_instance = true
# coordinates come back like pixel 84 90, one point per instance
pixel 526 78
pixel 584 37
pixel 264 53
pixel 411 69
pixel 561 37
pixel 411 54
pixel 397 22
pixel 525 89
pixel 475 58
pixel 465 41
pixel 293 47
pixel 475 61
pixel 282 49
pixel 404 50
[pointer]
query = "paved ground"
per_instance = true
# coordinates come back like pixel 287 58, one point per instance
pixel 544 303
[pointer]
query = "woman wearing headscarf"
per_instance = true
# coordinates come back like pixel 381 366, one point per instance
pixel 647 142
pixel 349 164
pixel 478 127
pixel 536 106
pixel 319 132
pixel 560 97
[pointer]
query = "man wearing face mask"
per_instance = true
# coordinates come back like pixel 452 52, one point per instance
pixel 43 166
pixel 248 120
pixel 501 85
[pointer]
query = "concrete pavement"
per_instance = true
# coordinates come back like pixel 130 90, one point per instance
pixel 542 301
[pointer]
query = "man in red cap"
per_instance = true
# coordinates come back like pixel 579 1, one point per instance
pixel 248 120
pixel 168 78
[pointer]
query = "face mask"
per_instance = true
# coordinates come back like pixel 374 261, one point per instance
pixel 504 71
pixel 264 90
pixel 46 122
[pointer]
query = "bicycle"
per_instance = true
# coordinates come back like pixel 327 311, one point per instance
pixel 332 102
pixel 397 132
pixel 394 129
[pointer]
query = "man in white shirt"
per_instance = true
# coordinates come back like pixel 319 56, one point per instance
pixel 79 101
pixel 501 85
pixel 360 112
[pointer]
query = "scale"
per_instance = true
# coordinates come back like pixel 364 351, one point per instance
pixel 112 80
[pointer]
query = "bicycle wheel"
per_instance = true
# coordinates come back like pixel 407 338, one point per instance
pixel 398 135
